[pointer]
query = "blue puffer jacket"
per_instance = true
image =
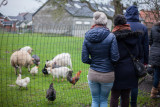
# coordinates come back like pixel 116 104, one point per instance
pixel 132 16
pixel 100 49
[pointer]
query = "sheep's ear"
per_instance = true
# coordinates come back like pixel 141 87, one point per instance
pixel 32 59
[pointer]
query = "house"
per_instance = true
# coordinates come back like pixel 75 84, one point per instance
pixel 149 18
pixel 74 19
pixel 21 22
pixel 9 26
pixel 1 19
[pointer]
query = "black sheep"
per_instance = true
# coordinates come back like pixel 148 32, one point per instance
pixel 51 93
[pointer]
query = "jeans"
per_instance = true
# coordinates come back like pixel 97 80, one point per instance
pixel 100 93
pixel 134 95
pixel 156 77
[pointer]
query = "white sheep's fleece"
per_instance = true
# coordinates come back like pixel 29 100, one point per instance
pixel 59 72
pixel 100 18
pixel 27 49
pixel 34 70
pixel 22 82
pixel 63 59
pixel 21 58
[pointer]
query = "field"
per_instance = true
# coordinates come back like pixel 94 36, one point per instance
pixel 46 46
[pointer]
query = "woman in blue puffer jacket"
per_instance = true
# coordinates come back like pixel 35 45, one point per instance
pixel 100 51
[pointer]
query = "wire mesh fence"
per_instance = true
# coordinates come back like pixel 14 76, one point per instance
pixel 46 44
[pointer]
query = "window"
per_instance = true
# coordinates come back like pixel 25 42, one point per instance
pixel 78 22
pixel 87 23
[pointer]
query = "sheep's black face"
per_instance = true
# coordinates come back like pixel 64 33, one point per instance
pixel 36 60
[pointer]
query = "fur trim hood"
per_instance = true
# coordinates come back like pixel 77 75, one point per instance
pixel 123 34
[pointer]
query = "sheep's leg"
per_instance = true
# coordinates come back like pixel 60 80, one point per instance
pixel 63 79
pixel 15 68
pixel 20 70
pixel 57 79
pixel 28 68
pixel 53 78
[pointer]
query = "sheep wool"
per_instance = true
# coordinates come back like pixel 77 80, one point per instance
pixel 63 59
pixel 59 72
pixel 27 49
pixel 21 58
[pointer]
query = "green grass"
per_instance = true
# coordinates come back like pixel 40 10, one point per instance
pixel 46 46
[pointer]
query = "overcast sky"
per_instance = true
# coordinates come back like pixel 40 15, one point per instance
pixel 14 7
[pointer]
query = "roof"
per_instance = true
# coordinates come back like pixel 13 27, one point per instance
pixel 8 22
pixel 12 17
pixel 1 15
pixel 79 9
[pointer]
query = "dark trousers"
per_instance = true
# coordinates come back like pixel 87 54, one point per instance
pixel 123 93
pixel 156 77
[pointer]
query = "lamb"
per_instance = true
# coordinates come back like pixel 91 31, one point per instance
pixel 27 48
pixel 23 58
pixel 59 72
pixel 34 70
pixel 63 59
pixel 22 82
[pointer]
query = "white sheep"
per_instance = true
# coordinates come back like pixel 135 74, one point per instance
pixel 34 70
pixel 23 58
pixel 59 72
pixel 27 48
pixel 22 82
pixel 63 59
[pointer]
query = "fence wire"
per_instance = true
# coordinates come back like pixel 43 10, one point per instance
pixel 46 42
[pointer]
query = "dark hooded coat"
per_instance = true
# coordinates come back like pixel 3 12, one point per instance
pixel 154 42
pixel 125 76
pixel 132 16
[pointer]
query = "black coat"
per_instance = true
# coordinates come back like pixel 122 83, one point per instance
pixel 154 41
pixel 125 76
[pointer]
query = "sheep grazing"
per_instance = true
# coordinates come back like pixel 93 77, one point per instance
pixel 22 82
pixel 59 72
pixel 23 58
pixel 63 59
pixel 34 70
pixel 27 49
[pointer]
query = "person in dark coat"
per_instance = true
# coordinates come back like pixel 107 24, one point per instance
pixel 125 75
pixel 154 57
pixel 100 51
pixel 132 16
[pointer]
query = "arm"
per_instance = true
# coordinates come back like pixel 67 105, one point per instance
pixel 114 50
pixel 85 54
